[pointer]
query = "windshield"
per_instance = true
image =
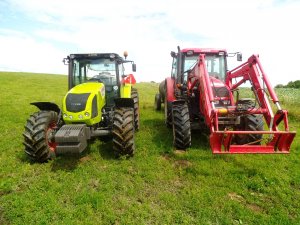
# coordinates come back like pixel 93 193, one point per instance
pixel 188 63
pixel 100 70
pixel 215 65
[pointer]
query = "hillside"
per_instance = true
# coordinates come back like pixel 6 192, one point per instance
pixel 156 186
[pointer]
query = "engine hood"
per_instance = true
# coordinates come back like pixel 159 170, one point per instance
pixel 89 87
pixel 83 103
pixel 216 82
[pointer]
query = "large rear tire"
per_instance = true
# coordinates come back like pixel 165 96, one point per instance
pixel 181 126
pixel 123 132
pixel 39 136
pixel 168 113
pixel 249 122
pixel 135 96
pixel 157 102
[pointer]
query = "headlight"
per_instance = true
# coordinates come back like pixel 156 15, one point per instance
pixel 71 117
pixel 87 114
pixel 80 116
pixel 65 115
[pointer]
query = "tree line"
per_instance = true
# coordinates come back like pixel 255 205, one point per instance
pixel 291 84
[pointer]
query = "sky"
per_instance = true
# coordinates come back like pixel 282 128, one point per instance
pixel 35 35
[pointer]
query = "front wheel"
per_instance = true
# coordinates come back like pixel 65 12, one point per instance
pixel 249 122
pixel 181 126
pixel 123 132
pixel 39 136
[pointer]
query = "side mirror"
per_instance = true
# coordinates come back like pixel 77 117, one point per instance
pixel 173 54
pixel 239 56
pixel 133 67
pixel 66 61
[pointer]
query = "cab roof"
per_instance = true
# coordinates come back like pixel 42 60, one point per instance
pixel 203 50
pixel 95 55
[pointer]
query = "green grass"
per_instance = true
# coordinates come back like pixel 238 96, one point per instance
pixel 156 186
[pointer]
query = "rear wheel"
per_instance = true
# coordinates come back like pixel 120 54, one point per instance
pixel 181 126
pixel 157 102
pixel 123 131
pixel 39 136
pixel 168 113
pixel 249 122
pixel 135 96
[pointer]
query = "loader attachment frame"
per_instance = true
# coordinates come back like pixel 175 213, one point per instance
pixel 222 140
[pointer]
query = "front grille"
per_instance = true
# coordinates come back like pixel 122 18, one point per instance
pixel 94 107
pixel 221 91
pixel 76 102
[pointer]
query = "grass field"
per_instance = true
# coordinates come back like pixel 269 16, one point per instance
pixel 156 186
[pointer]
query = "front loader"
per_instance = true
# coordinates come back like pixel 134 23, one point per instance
pixel 202 95
pixel 101 103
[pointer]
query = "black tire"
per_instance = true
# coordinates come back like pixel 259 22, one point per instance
pixel 135 96
pixel 123 132
pixel 157 102
pixel 168 113
pixel 181 126
pixel 39 145
pixel 249 122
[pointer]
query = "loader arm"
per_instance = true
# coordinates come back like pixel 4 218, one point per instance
pixel 252 71
pixel 199 78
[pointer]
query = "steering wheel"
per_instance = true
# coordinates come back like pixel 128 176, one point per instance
pixel 215 75
pixel 95 78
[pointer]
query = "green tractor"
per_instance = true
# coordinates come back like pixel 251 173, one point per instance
pixel 101 103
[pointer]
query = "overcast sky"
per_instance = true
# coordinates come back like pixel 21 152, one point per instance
pixel 35 35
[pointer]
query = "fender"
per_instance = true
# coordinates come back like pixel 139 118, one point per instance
pixel 124 102
pixel 170 85
pixel 178 102
pixel 47 106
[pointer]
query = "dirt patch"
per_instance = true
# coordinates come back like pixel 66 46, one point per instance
pixel 2 219
pixel 254 208
pixel 238 198
pixel 85 159
pixel 94 183
pixel 182 163
pixel 166 157
pixel 235 197
pixel 179 152
pixel 177 183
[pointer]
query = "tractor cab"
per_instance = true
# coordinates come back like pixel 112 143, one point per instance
pixel 186 59
pixel 106 68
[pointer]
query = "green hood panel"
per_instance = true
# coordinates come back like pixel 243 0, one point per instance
pixel 89 87
pixel 83 103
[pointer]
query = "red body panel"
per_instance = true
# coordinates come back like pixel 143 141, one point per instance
pixel 128 79
pixel 170 87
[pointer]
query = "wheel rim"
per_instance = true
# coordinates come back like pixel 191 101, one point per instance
pixel 50 137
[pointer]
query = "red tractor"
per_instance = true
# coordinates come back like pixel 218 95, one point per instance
pixel 202 94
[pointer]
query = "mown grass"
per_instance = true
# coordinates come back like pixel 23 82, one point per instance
pixel 156 186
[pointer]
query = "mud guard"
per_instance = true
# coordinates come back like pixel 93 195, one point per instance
pixel 124 102
pixel 170 88
pixel 47 106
